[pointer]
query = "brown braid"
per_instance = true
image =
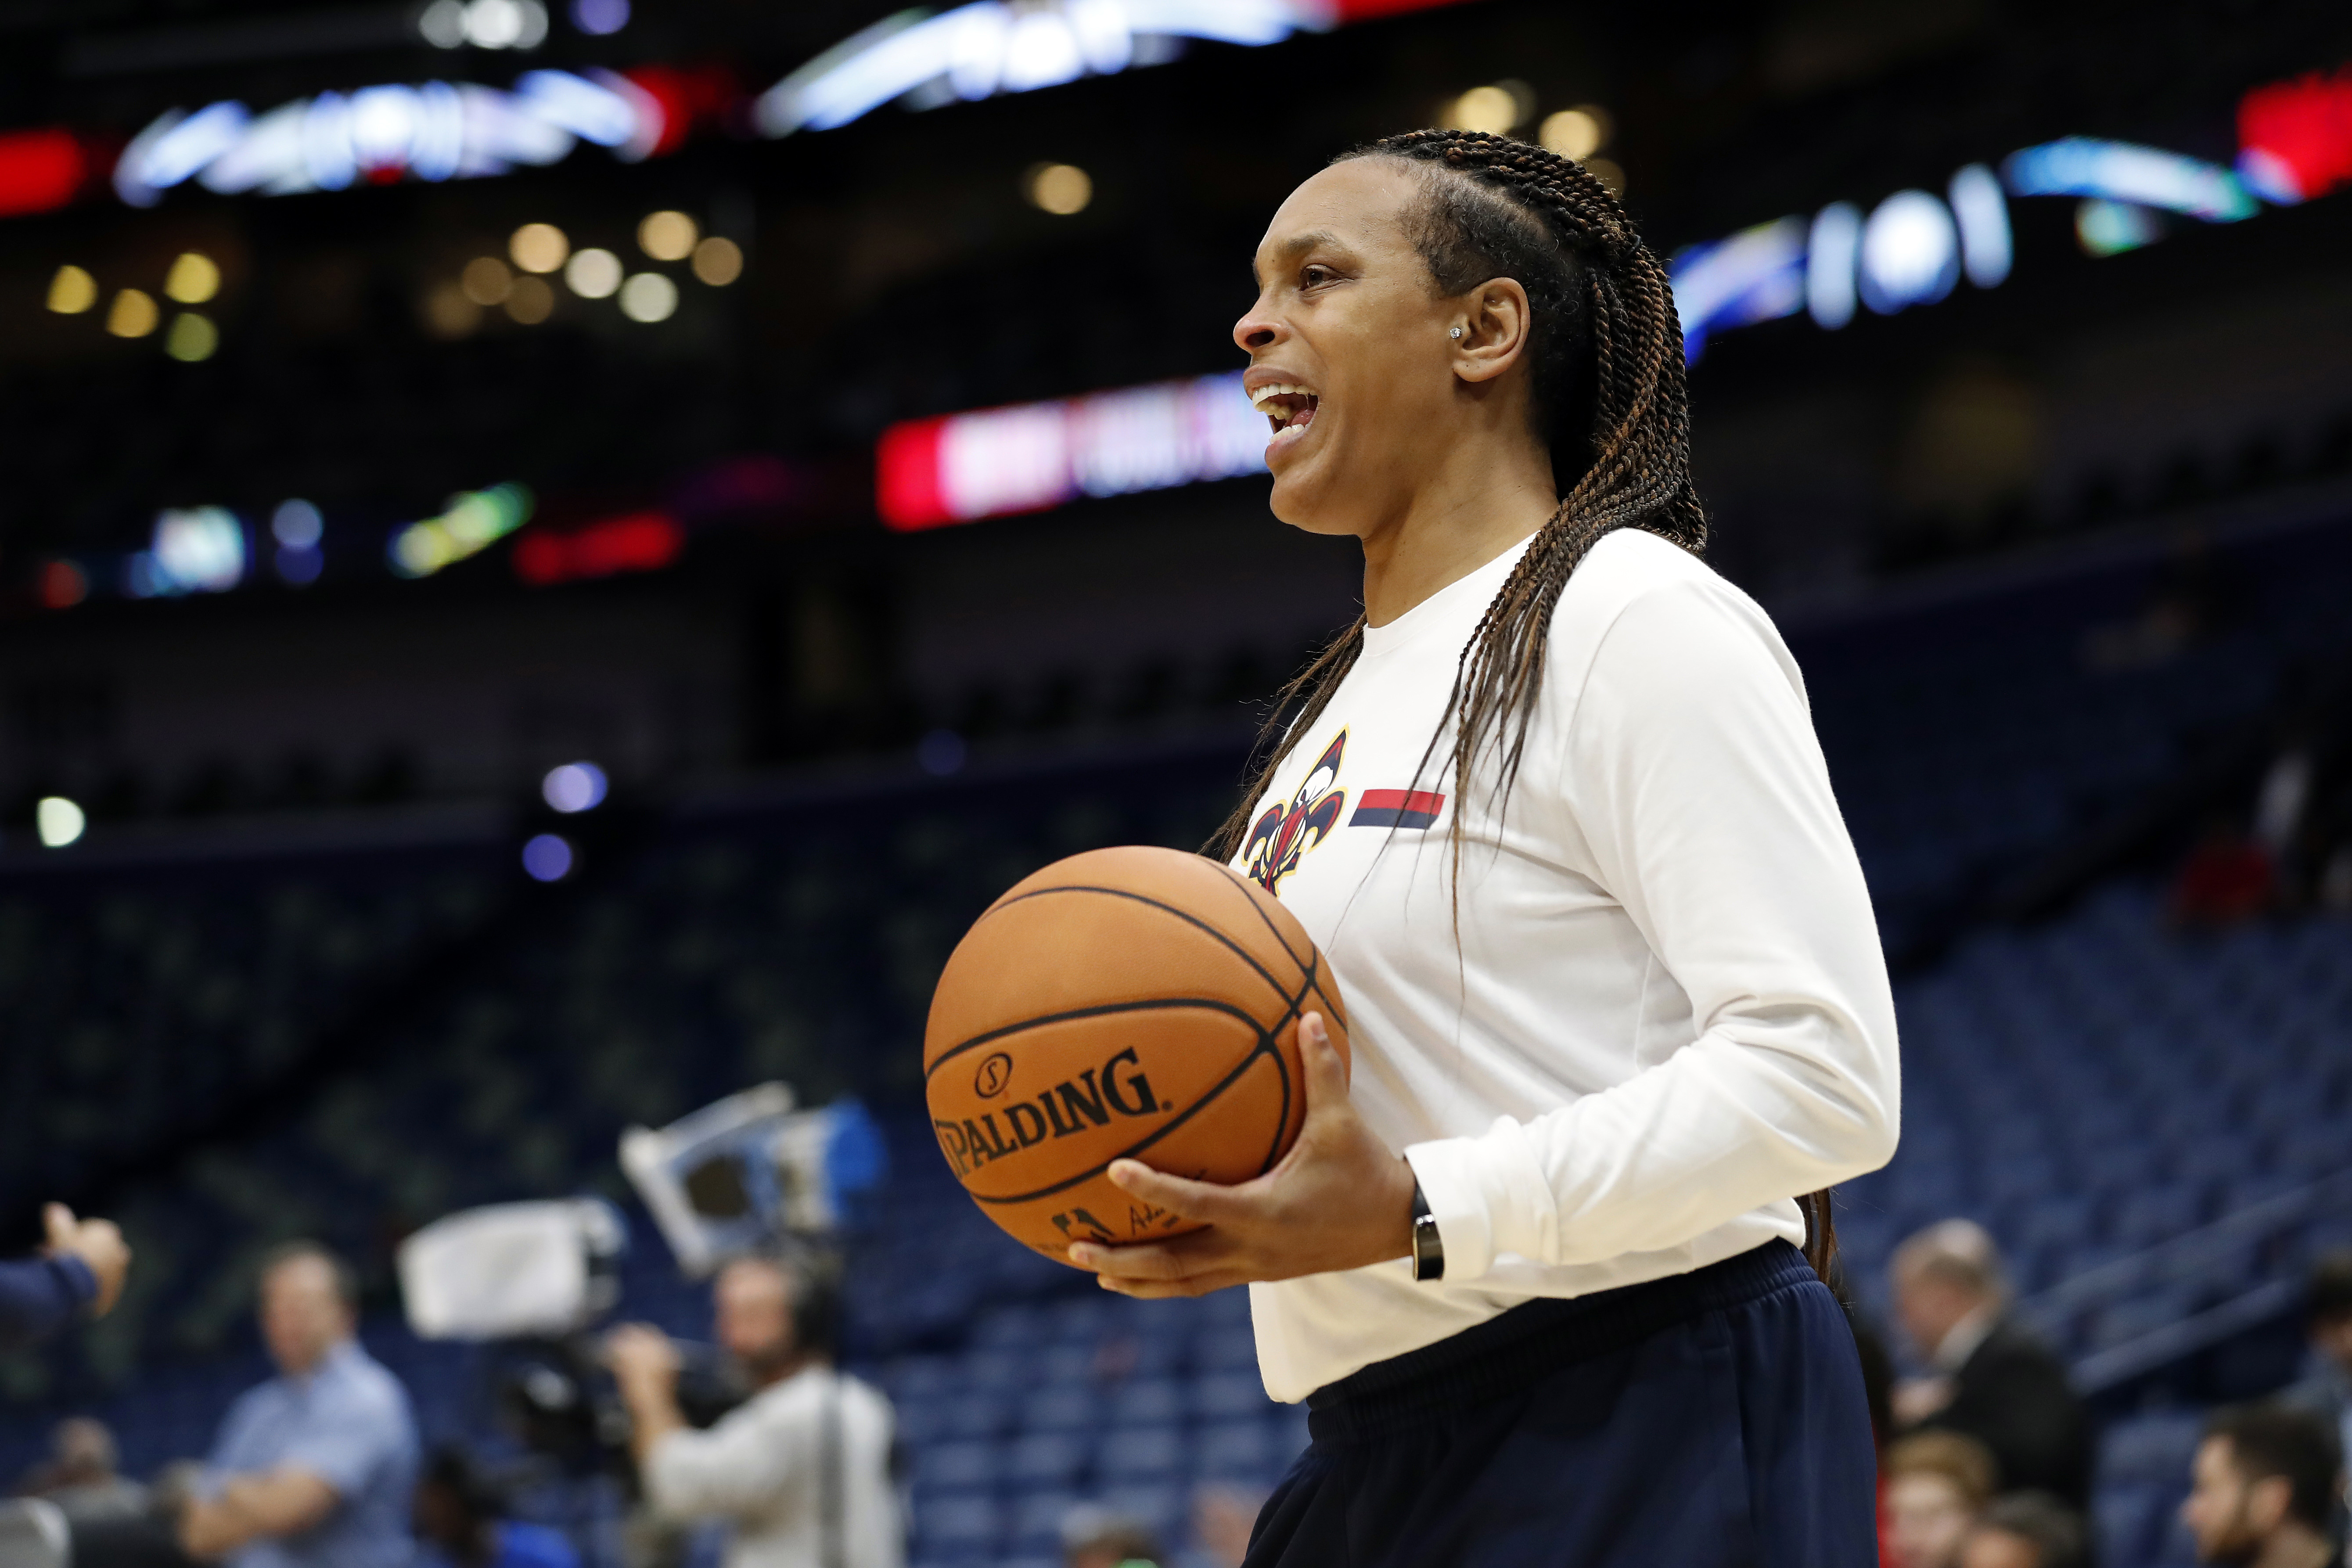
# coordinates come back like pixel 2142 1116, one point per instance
pixel 1606 357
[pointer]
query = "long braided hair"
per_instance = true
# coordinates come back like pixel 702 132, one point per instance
pixel 1605 349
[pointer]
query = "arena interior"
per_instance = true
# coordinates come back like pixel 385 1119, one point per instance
pixel 553 557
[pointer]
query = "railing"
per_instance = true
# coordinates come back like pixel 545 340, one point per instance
pixel 2209 1252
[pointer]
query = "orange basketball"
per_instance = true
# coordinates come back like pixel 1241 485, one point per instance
pixel 1132 1003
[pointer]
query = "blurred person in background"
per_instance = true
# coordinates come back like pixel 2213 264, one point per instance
pixel 1224 1515
pixel 2264 1489
pixel 459 1523
pixel 1098 1537
pixel 313 1468
pixel 2027 1530
pixel 83 1264
pixel 1933 1486
pixel 1994 1380
pixel 2325 1389
pixel 803 1468
pixel 79 1475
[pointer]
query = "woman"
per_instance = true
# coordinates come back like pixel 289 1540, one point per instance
pixel 1554 809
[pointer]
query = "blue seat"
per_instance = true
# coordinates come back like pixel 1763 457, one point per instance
pixel 1142 1451
pixel 1037 1518
pixel 1235 1449
pixel 970 1522
pixel 1047 1458
pixel 956 1467
pixel 1064 1407
pixel 1146 1401
pixel 1229 1394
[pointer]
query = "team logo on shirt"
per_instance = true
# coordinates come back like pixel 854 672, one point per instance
pixel 1288 831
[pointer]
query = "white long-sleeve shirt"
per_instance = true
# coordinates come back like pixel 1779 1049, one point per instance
pixel 1666 1014
pixel 764 1467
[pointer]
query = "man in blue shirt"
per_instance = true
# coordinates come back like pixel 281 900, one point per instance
pixel 83 1264
pixel 313 1468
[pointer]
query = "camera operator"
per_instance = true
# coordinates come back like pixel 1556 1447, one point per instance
pixel 802 1467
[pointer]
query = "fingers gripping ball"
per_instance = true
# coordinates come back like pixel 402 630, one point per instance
pixel 1133 1003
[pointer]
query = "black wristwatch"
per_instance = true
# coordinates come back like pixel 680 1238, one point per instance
pixel 1428 1246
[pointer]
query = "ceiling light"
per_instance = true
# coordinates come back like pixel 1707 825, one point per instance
pixel 192 337
pixel 600 18
pixel 719 262
pixel 486 280
pixel 59 821
pixel 539 247
pixel 574 787
pixel 648 297
pixel 1491 108
pixel 297 525
pixel 548 858
pixel 194 278
pixel 73 291
pixel 134 314
pixel 1576 133
pixel 1058 188
pixel 667 236
pixel 531 301
pixel 449 311
pixel 593 273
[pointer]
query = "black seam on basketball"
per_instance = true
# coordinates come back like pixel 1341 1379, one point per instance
pixel 1266 1046
pixel 1100 1010
pixel 1242 885
pixel 1188 919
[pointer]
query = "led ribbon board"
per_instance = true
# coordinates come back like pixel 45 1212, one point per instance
pixel 438 130
pixel 1914 248
pixel 1032 456
pixel 926 60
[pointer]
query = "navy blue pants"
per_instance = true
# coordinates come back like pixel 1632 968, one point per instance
pixel 1706 1420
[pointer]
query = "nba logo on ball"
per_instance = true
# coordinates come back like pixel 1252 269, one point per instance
pixel 1125 1003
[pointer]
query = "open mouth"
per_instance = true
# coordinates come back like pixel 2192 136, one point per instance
pixel 1289 408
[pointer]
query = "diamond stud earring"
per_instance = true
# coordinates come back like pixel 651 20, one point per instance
pixel 1454 334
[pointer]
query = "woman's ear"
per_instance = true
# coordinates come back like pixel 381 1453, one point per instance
pixel 1494 321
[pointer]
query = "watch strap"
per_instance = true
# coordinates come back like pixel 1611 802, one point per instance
pixel 1428 1246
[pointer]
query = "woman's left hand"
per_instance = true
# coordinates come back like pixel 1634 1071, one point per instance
pixel 1339 1199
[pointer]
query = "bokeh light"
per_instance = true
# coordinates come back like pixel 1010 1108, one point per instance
pixel 59 821
pixel 486 280
pixel 73 291
pixel 667 236
pixel 531 301
pixel 593 273
pixel 192 337
pixel 64 584
pixel 719 262
pixel 600 18
pixel 1576 132
pixel 648 297
pixel 134 314
pixel 940 753
pixel 1061 189
pixel 575 787
pixel 1610 173
pixel 1493 109
pixel 539 247
pixel 449 311
pixel 548 858
pixel 194 278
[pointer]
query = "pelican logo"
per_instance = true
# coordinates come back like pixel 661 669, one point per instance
pixel 1288 832
pixel 993 1075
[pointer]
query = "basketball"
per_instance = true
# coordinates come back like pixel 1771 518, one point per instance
pixel 1133 1003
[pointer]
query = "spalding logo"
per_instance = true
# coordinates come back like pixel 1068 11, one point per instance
pixel 1071 1106
pixel 993 1075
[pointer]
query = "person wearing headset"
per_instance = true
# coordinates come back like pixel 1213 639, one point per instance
pixel 803 1468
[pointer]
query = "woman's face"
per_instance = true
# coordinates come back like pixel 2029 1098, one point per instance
pixel 1349 356
pixel 1927 1520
